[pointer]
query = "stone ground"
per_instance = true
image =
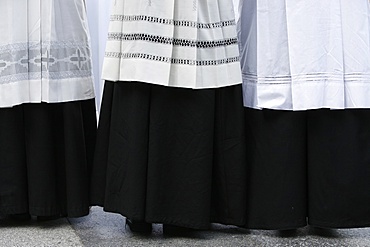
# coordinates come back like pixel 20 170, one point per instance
pixel 108 230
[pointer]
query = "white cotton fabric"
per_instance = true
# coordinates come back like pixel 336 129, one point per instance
pixel 299 54
pixel 178 43
pixel 44 52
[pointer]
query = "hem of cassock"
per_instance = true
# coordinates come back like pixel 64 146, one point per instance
pixel 77 212
pixel 160 220
pixel 280 226
pixel 171 221
pixel 7 210
pixel 339 225
pixel 181 223
pixel 228 221
pixel 73 213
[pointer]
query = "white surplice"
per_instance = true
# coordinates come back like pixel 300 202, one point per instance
pixel 178 43
pixel 44 52
pixel 299 54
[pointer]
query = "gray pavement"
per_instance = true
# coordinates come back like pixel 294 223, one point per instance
pixel 106 229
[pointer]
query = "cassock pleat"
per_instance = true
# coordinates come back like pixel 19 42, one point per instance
pixel 310 165
pixel 276 154
pixel 339 168
pixel 171 155
pixel 46 153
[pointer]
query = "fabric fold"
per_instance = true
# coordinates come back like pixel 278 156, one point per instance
pixel 299 55
pixel 175 48
pixel 45 53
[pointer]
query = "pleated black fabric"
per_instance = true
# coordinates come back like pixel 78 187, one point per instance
pixel 276 153
pixel 46 153
pixel 171 155
pixel 339 168
pixel 311 165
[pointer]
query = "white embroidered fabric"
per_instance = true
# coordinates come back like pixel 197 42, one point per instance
pixel 299 55
pixel 44 52
pixel 179 43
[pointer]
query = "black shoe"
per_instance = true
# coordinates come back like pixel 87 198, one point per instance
pixel 172 230
pixel 20 217
pixel 139 226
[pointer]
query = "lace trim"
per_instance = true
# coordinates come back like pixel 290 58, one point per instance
pixel 45 60
pixel 172 41
pixel 171 60
pixel 181 23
